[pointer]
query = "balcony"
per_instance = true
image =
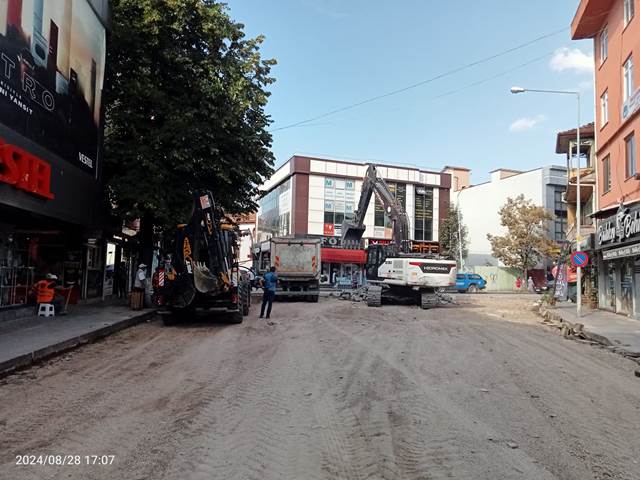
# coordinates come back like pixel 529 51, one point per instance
pixel 587 184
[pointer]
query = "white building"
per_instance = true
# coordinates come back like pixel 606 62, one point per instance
pixel 480 204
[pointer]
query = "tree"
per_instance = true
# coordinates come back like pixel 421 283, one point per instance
pixel 449 235
pixel 526 241
pixel 184 96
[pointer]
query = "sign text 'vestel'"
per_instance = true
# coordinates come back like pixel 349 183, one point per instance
pixel 25 171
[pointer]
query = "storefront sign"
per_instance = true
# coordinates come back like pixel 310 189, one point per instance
pixel 331 242
pixel 51 76
pixel 329 229
pixel 25 171
pixel 619 228
pixel 627 251
pixel 561 287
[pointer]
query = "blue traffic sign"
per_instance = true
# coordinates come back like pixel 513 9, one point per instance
pixel 579 259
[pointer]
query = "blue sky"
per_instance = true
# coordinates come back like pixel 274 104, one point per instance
pixel 333 53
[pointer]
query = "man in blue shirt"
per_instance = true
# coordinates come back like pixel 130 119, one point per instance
pixel 269 282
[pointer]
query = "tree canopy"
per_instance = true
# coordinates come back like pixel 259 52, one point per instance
pixel 526 241
pixel 184 95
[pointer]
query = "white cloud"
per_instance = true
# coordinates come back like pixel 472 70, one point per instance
pixel 525 123
pixel 571 59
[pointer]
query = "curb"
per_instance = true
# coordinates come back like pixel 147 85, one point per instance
pixel 9 366
pixel 577 331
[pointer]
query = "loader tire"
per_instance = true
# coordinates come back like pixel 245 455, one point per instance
pixel 236 317
pixel 374 296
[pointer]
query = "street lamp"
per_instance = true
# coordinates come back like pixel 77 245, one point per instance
pixel 578 207
pixel 459 226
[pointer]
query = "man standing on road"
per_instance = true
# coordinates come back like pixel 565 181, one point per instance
pixel 269 282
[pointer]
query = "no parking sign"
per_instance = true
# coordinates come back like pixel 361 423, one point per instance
pixel 579 259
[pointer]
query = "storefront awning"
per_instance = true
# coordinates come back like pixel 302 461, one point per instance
pixel 343 255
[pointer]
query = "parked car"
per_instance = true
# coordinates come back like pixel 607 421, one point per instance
pixel 470 282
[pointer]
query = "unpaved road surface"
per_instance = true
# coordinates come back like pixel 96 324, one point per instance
pixel 333 390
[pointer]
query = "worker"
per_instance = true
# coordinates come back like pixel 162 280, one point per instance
pixel 269 282
pixel 45 291
pixel 139 287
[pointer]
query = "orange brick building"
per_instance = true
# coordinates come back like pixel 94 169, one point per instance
pixel 615 30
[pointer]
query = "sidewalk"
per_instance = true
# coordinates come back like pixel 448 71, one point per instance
pixel 27 340
pixel 619 333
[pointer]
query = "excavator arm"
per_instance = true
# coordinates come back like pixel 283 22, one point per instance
pixel 352 230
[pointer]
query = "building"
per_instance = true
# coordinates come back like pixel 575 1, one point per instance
pixel 566 143
pixel 247 225
pixel 53 56
pixel 311 196
pixel 616 35
pixel 480 204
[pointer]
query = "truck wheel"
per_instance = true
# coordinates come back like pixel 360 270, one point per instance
pixel 472 289
pixel 315 298
pixel 374 296
pixel 170 319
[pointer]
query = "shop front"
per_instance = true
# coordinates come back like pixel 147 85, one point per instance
pixel 618 244
pixel 342 268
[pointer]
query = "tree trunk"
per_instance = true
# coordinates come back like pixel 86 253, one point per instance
pixel 145 253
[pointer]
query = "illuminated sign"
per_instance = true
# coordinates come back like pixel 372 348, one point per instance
pixel 25 171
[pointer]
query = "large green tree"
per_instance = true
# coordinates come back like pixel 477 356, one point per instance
pixel 526 241
pixel 184 98
pixel 451 237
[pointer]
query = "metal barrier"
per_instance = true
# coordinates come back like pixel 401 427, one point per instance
pixel 15 283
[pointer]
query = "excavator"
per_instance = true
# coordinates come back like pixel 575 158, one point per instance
pixel 394 273
pixel 201 271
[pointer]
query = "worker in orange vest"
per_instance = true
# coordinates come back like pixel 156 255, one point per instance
pixel 45 291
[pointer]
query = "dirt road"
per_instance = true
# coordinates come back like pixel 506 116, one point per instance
pixel 333 390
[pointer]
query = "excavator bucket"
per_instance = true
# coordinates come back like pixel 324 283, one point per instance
pixel 351 235
pixel 204 280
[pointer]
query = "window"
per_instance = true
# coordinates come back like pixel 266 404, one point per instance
pixel 399 191
pixel 423 230
pixel 604 108
pixel 606 173
pixel 629 10
pixel 339 198
pixel 604 45
pixel 628 78
pixel 630 154
pixel 560 215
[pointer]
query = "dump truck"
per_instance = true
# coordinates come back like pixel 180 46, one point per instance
pixel 297 262
pixel 200 271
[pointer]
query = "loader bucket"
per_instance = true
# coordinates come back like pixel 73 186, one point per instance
pixel 204 280
pixel 351 235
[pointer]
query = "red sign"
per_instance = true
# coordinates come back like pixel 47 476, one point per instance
pixel 329 229
pixel 25 171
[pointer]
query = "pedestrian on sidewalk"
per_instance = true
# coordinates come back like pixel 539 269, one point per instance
pixel 269 282
pixel 518 283
pixel 139 287
pixel 530 285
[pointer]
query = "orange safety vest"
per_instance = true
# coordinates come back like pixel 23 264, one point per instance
pixel 45 291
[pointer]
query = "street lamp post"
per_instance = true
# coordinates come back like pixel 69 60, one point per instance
pixel 578 202
pixel 459 226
